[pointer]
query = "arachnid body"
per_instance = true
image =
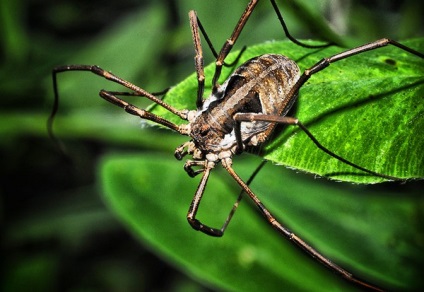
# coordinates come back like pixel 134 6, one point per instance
pixel 240 113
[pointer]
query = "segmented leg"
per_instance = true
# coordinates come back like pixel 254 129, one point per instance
pixel 324 63
pixel 111 97
pixel 226 163
pixel 194 206
pixel 195 25
pixel 109 76
pixel 198 59
pixel 132 109
pixel 228 45
pixel 240 196
pixel 196 224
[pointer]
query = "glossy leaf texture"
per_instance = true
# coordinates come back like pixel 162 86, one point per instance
pixel 374 234
pixel 368 109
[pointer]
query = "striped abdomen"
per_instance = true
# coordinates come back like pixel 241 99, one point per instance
pixel 261 85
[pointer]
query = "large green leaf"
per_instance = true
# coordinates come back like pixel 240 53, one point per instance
pixel 368 109
pixel 376 234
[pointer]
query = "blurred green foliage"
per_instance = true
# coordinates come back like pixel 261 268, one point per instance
pixel 57 233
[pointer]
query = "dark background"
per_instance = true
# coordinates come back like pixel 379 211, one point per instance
pixel 56 231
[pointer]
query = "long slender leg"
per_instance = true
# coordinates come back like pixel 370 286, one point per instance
pixel 127 93
pixel 195 25
pixel 132 109
pixel 240 196
pixel 194 206
pixel 324 63
pixel 290 235
pixel 205 35
pixel 228 45
pixel 109 76
pixel 287 33
pixel 249 117
pixel 198 59
pixel 109 96
pixel 199 193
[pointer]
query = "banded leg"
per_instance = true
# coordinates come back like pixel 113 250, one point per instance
pixel 127 93
pixel 228 45
pixel 110 96
pixel 132 109
pixel 293 237
pixel 109 76
pixel 198 59
pixel 195 25
pixel 212 48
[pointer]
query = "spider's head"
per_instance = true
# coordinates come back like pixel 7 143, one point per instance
pixel 210 137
